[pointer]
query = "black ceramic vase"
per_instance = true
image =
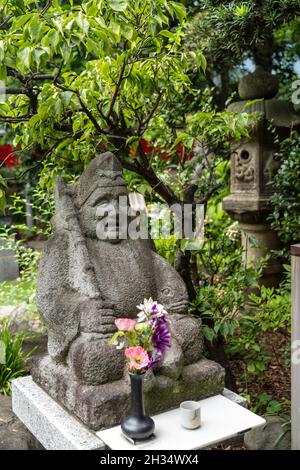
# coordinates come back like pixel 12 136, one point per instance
pixel 137 426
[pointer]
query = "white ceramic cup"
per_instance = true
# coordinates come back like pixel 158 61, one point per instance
pixel 190 414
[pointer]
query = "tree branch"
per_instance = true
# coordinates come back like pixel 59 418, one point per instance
pixel 12 120
pixel 46 7
pixel 4 23
pixel 16 91
pixel 117 89
pixel 146 121
pixel 83 106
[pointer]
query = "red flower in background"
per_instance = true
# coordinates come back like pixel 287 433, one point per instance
pixel 7 156
pixel 146 146
pixel 183 153
pixel 163 152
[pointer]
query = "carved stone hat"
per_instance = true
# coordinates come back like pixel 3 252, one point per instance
pixel 104 171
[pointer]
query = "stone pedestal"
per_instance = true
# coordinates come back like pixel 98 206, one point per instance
pixel 102 406
pixel 258 240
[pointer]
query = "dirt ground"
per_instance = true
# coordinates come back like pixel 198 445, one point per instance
pixel 275 380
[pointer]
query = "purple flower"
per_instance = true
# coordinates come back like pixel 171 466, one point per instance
pixel 161 336
pixel 154 309
pixel 155 359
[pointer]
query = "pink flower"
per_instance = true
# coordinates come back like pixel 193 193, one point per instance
pixel 125 324
pixel 138 357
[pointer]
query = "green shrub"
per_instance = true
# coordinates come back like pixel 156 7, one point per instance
pixel 42 204
pixel 167 248
pixel 12 358
pixel 27 258
pixel 20 293
pixel 268 311
pixel 285 218
pixel 224 277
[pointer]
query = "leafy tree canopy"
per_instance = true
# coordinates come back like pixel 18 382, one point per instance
pixel 231 28
pixel 266 31
pixel 92 75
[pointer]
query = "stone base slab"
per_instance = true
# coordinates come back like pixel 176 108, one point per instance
pixel 104 406
pixel 54 427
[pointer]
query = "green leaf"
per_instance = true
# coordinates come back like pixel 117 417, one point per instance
pixel 117 335
pixel 63 144
pixel 115 28
pixel 19 22
pixel 251 368
pixel 83 23
pixel 241 10
pixel 3 182
pixel 92 46
pixel 35 119
pixel 167 34
pixel 34 27
pixel 3 72
pixel 2 201
pixel 180 10
pixel 118 5
pixel 126 31
pixel 208 333
pixel 24 58
pixel 2 50
pixel 203 62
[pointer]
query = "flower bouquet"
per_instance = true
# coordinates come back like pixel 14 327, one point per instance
pixel 144 340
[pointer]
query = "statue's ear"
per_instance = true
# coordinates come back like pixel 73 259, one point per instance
pixel 70 190
pixel 60 186
pixel 64 189
pixel 64 205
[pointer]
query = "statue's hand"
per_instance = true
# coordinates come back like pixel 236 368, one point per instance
pixel 97 316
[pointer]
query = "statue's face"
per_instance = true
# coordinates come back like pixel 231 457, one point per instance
pixel 101 212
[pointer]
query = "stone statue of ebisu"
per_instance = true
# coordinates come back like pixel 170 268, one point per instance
pixel 84 284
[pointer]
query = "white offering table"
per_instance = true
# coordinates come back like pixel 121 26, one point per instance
pixel 221 419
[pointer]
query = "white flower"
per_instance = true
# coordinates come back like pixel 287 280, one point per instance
pixel 141 317
pixel 149 309
pixel 160 310
pixel 146 306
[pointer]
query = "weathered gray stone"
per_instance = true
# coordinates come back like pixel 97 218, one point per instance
pixel 259 84
pixel 22 319
pixel 188 333
pixel 6 415
pixel 173 362
pixel 103 406
pixel 238 399
pixel 13 434
pixel 85 283
pixel 8 311
pixel 265 438
pixel 202 379
pixel 254 165
pixel 9 267
pixel 90 358
pixel 51 424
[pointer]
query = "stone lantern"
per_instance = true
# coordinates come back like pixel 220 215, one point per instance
pixel 253 166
